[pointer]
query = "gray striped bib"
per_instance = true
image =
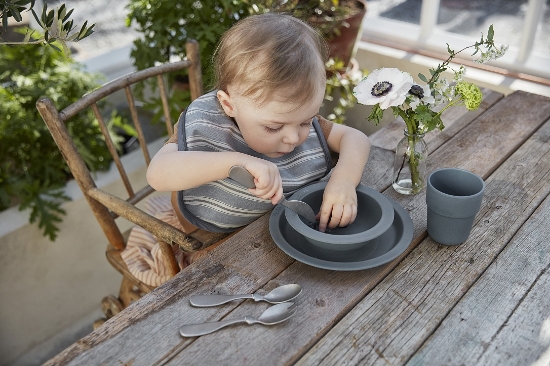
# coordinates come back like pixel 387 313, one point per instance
pixel 225 205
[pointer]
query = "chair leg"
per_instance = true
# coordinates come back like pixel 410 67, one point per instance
pixel 111 306
pixel 128 292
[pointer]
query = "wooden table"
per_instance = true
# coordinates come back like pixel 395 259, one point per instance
pixel 484 302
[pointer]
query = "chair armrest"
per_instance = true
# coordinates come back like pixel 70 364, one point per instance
pixel 161 230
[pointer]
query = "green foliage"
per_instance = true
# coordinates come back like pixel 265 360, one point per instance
pixel 56 24
pixel 32 169
pixel 166 26
pixel 340 84
pixel 326 15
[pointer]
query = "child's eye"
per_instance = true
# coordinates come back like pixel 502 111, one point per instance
pixel 307 124
pixel 269 129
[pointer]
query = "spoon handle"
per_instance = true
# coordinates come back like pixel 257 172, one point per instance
pixel 203 301
pixel 194 330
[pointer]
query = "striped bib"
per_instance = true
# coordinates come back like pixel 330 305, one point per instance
pixel 225 205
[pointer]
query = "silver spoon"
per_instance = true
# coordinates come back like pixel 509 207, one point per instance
pixel 244 177
pixel 278 295
pixel 273 315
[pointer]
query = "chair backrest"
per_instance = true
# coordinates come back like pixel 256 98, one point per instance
pixel 105 206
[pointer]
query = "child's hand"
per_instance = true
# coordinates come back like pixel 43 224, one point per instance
pixel 339 205
pixel 269 184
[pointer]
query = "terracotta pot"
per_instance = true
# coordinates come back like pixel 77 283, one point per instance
pixel 344 46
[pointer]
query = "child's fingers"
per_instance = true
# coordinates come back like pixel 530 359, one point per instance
pixel 278 195
pixel 324 216
pixel 336 216
pixel 348 216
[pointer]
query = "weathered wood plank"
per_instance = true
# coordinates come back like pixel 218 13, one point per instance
pixel 501 318
pixel 524 339
pixel 237 266
pixel 338 291
pixel 140 326
pixel 393 320
pixel 203 277
pixel 455 118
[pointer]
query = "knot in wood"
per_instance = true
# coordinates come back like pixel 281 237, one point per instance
pixel 320 303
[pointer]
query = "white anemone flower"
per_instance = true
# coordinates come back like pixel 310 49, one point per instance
pixel 421 94
pixel 388 87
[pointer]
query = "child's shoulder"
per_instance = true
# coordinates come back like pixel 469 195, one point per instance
pixel 325 124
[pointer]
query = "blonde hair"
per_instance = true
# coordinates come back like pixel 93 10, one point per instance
pixel 269 53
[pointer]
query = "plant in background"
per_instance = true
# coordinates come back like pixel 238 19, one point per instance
pixel 331 12
pixel 416 104
pixel 166 26
pixel 56 24
pixel 32 169
pixel 339 87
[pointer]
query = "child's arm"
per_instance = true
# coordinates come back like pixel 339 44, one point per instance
pixel 340 199
pixel 173 170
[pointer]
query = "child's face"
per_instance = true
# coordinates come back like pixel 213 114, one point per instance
pixel 275 128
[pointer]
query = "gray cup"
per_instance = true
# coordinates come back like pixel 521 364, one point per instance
pixel 453 198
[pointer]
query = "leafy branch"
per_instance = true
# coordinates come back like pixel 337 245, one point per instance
pixel 56 24
pixel 491 53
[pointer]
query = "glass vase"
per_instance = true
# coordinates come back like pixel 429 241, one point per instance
pixel 409 167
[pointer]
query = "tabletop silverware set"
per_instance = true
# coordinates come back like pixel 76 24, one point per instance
pixel 283 310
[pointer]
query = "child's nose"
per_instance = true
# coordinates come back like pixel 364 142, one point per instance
pixel 291 137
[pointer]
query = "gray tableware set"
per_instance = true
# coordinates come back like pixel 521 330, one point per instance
pixel 283 310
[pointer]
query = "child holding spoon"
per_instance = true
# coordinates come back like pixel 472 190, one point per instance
pixel 263 116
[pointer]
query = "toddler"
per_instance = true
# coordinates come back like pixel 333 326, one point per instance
pixel 263 116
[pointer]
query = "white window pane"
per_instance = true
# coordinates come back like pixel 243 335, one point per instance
pixel 473 17
pixel 542 39
pixel 407 11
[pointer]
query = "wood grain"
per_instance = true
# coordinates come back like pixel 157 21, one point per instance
pixel 339 291
pixel 504 318
pixel 393 321
pixel 148 330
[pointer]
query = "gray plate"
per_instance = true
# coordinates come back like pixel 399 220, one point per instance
pixel 385 248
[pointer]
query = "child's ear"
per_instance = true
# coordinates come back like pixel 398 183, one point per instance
pixel 226 103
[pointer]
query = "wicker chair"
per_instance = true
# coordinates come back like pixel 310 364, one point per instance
pixel 107 207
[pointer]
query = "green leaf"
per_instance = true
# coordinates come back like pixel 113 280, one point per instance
pixel 49 18
pixel 16 15
pixel 490 34
pixel 68 15
pixel 422 77
pixel 376 114
pixel 43 17
pixel 36 17
pixel 5 21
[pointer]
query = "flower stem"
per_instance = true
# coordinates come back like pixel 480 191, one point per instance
pixel 412 135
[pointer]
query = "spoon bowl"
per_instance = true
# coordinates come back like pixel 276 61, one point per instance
pixel 272 315
pixel 278 295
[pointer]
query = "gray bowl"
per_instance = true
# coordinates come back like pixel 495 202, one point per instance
pixel 375 215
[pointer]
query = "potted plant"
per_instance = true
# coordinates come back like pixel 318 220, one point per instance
pixel 32 169
pixel 166 26
pixel 339 87
pixel 339 21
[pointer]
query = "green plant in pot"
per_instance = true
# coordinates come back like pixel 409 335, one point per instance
pixel 32 170
pixel 339 87
pixel 339 21
pixel 166 26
